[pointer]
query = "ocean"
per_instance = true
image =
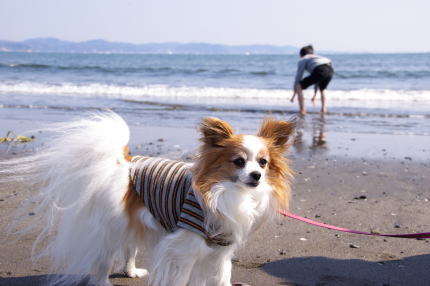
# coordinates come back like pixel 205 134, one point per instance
pixel 370 93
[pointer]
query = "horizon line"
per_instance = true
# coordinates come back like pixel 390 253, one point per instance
pixel 219 44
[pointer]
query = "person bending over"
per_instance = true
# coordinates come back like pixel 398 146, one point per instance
pixel 321 72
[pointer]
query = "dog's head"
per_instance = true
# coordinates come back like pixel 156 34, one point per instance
pixel 246 160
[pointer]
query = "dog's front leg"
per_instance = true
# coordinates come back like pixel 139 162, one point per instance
pixel 174 258
pixel 130 265
pixel 215 268
pixel 225 273
pixel 102 271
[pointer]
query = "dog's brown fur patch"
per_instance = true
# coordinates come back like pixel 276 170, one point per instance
pixel 132 205
pixel 276 134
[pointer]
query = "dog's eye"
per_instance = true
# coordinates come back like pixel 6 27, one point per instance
pixel 262 162
pixel 239 162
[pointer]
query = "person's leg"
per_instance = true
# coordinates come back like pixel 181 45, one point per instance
pixel 304 84
pixel 299 92
pixel 326 74
pixel 323 100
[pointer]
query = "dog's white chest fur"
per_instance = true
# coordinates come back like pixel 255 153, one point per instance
pixel 239 207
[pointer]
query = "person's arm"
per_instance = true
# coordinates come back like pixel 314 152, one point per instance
pixel 299 73
pixel 294 95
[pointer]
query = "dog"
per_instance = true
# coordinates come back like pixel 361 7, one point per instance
pixel 97 203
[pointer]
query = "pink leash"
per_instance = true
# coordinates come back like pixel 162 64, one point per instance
pixel 309 221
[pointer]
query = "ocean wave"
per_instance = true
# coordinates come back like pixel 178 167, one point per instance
pixel 382 74
pixel 31 66
pixel 163 70
pixel 164 91
pixel 172 70
pixel 103 69
pixel 262 73
pixel 229 70
pixel 165 107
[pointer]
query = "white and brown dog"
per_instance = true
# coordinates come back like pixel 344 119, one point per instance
pixel 98 203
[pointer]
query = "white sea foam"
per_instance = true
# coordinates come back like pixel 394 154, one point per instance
pixel 163 91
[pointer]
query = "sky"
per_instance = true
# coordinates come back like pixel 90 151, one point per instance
pixel 330 25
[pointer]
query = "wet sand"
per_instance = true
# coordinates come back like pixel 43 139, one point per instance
pixel 382 190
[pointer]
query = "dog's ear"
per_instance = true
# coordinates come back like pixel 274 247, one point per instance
pixel 278 131
pixel 215 130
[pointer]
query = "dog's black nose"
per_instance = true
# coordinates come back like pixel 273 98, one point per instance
pixel 255 175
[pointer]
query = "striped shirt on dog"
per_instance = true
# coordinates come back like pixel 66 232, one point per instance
pixel 165 188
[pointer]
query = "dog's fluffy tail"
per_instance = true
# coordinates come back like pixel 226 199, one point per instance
pixel 83 177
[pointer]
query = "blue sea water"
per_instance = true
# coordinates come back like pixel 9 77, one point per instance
pixel 370 93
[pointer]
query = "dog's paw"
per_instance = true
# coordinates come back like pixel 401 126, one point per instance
pixel 136 272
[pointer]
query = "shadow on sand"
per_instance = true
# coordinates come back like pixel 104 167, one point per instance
pixel 323 271
pixel 33 280
pixel 42 280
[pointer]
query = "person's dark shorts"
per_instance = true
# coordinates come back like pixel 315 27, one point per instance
pixel 321 75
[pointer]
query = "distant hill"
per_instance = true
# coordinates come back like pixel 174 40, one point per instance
pixel 52 45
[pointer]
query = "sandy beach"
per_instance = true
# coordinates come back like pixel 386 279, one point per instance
pixel 360 154
pixel 344 179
